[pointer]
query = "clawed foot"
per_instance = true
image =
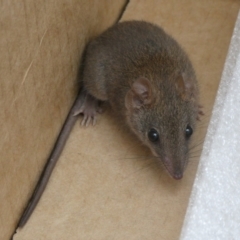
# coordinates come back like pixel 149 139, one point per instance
pixel 89 108
pixel 90 111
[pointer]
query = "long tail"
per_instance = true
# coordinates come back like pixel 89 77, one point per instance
pixel 52 160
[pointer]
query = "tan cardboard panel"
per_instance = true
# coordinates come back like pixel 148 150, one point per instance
pixel 204 29
pixel 105 186
pixel 41 43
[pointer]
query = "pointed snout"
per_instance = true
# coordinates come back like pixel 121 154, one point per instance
pixel 174 170
pixel 177 175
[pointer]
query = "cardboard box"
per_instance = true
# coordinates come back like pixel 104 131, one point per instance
pixel 104 185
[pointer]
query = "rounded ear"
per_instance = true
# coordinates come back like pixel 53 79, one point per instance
pixel 185 86
pixel 139 95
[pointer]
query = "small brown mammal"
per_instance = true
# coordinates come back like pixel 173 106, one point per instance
pixel 149 82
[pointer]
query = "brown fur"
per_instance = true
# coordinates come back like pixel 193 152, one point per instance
pixel 135 50
pixel 149 82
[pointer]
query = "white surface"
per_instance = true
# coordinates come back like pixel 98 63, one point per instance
pixel 214 207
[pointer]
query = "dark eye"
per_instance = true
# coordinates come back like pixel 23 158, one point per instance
pixel 188 131
pixel 153 135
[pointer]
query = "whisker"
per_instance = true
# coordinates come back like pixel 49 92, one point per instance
pixel 142 168
pixel 141 157
pixel 195 153
pixel 192 164
pixel 196 156
pixel 202 126
pixel 194 146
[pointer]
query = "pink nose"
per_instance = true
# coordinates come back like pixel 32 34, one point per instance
pixel 177 175
pixel 175 172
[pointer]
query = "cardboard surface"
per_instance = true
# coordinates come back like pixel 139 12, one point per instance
pixel 104 186
pixel 41 44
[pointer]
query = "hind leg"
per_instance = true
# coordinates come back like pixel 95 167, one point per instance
pixel 88 106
